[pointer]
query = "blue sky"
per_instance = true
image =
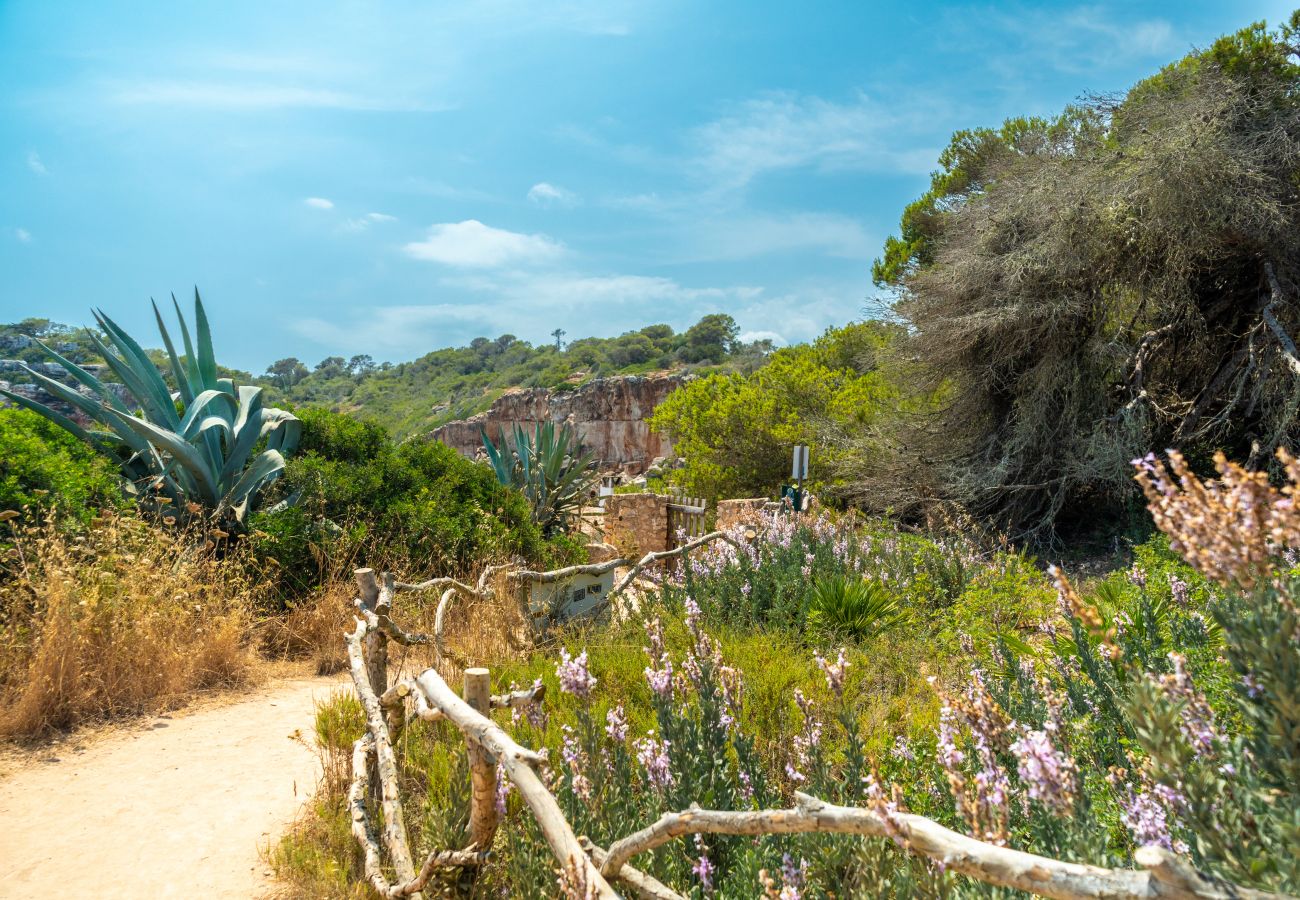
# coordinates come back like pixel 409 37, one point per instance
pixel 390 178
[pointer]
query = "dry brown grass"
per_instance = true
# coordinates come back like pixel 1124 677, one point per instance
pixel 122 620
pixel 479 631
pixel 314 629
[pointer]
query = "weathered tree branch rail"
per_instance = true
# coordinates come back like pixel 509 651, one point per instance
pixel 1162 874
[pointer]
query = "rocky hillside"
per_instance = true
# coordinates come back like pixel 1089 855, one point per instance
pixel 608 414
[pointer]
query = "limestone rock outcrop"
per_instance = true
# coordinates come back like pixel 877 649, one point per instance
pixel 608 414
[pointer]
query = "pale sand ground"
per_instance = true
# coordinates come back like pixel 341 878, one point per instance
pixel 177 806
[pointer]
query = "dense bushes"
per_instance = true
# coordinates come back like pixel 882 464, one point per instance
pixel 45 468
pixel 416 508
pixel 735 431
pixel 1119 278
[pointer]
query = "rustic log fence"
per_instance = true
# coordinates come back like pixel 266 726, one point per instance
pixel 588 871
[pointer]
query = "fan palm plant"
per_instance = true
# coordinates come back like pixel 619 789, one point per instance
pixel 548 467
pixel 852 608
pixel 192 448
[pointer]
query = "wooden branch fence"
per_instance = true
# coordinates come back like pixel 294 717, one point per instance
pixel 594 869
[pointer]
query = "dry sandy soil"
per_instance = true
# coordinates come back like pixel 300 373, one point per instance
pixel 179 806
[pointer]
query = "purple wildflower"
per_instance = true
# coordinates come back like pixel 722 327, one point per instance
pixel 616 724
pixel 659 673
pixel 902 749
pixel 1146 814
pixel 834 672
pixel 1138 576
pixel 1180 591
pixel 1197 717
pixel 503 790
pixel 703 868
pixel 575 759
pixel 574 677
pixel 1047 774
pixel 653 757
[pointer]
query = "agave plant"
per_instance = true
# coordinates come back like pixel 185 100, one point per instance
pixel 854 608
pixel 548 467
pixel 192 448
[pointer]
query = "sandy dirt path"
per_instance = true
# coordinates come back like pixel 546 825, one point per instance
pixel 177 807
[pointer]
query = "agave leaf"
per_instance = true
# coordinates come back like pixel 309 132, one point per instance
pixel 179 374
pixel 211 424
pixel 129 377
pixel 245 433
pixel 133 354
pixel 207 361
pixel 90 407
pixel 182 451
pixel 85 378
pixel 283 432
pixel 264 469
pixel 191 361
pixel 54 416
pixel 201 402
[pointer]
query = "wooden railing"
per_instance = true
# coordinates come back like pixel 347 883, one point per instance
pixel 592 871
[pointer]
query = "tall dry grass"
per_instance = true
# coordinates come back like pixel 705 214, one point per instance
pixel 123 619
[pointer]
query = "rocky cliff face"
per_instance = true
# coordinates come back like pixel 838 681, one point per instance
pixel 14 377
pixel 608 415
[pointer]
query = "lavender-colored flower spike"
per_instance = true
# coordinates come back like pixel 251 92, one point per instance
pixel 574 677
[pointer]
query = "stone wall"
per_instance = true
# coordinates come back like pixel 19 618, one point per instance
pixel 739 512
pixel 608 415
pixel 637 524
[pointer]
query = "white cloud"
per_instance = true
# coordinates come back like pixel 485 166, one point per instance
pixel 363 222
pixel 748 337
pixel 546 194
pixel 23 235
pixel 34 163
pixel 525 304
pixel 319 203
pixel 471 244
pixel 787 130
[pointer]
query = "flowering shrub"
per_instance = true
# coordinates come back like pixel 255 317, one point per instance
pixel 1158 705
pixel 767 581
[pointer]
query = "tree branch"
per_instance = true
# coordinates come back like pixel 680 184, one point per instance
pixel 394 822
pixel 517 763
pixel 1165 875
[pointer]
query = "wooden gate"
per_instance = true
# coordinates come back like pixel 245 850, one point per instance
pixel 685 519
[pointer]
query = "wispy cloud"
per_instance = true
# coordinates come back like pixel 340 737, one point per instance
pixel 471 244
pixel 22 235
pixel 34 163
pixel 744 236
pixel 319 203
pixel 545 194
pixel 231 96
pixel 361 223
pixel 521 303
pixel 788 130
pixel 1084 39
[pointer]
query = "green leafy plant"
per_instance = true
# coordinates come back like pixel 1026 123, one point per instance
pixel 548 467
pixel 192 447
pixel 846 607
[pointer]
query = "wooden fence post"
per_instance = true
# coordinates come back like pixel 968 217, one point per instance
pixel 483 817
pixel 376 640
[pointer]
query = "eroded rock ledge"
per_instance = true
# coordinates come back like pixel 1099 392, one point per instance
pixel 609 415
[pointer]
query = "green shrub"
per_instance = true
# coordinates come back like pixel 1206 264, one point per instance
pixel 845 607
pixel 416 508
pixel 44 467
